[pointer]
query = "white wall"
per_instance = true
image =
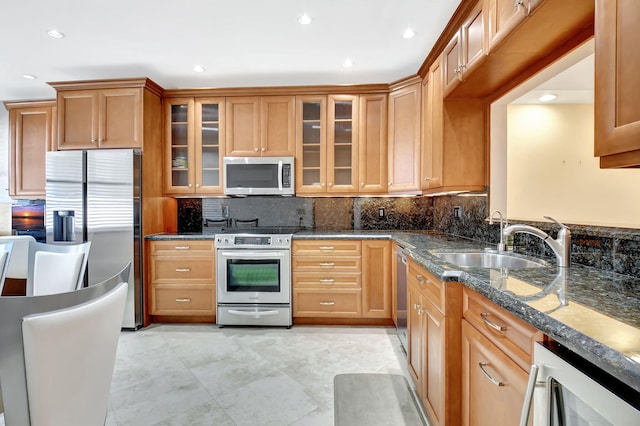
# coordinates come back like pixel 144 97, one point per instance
pixel 551 170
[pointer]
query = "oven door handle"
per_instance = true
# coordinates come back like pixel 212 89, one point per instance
pixel 253 313
pixel 528 396
pixel 244 254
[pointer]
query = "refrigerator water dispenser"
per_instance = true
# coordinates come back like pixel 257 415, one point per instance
pixel 64 226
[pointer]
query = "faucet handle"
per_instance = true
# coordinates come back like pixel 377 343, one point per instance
pixel 562 225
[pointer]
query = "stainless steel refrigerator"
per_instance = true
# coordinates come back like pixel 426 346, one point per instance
pixel 95 195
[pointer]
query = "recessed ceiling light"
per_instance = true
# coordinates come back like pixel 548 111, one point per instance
pixel 29 76
pixel 55 33
pixel 408 33
pixel 348 63
pixel 199 68
pixel 547 98
pixel 304 19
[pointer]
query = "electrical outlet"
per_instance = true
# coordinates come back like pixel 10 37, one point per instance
pixel 457 212
pixel 381 212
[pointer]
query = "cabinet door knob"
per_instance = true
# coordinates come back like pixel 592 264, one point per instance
pixel 362 184
pixel 330 184
pixel 264 149
pixel 322 184
pixel 255 149
pixel 427 179
pixel 390 183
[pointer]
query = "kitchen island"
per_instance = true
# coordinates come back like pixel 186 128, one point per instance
pixel 592 312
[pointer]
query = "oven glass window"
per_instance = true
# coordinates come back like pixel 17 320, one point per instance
pixel 253 275
pixel 252 175
pixel 569 410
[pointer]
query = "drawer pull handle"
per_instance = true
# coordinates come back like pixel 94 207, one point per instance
pixel 183 300
pixel 327 248
pixel 491 323
pixel 420 311
pixel 420 279
pixel 327 303
pixel 327 281
pixel 487 375
pixel 327 264
pixel 183 269
pixel 183 247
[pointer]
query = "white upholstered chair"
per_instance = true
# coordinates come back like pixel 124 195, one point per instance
pixel 5 257
pixel 18 266
pixel 58 354
pixel 56 268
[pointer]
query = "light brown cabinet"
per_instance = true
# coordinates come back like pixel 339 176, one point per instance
pixel 467 49
pixel 106 113
pixel 404 137
pixel 433 354
pixel 617 83
pixel 31 135
pixel 341 144
pixel 182 275
pixel 496 354
pixel 194 145
pixel 505 16
pixel 454 152
pixel 260 126
pixel 341 279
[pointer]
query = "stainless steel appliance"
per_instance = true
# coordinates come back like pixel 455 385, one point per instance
pixel 95 196
pixel 258 176
pixel 568 390
pixel 254 278
pixel 401 297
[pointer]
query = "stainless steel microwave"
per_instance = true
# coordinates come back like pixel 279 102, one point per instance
pixel 258 176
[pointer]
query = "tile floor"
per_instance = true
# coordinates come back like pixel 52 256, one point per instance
pixel 205 375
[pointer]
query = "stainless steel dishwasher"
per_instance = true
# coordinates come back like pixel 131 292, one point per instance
pixel 401 296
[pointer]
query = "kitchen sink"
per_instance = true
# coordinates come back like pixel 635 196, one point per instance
pixel 484 259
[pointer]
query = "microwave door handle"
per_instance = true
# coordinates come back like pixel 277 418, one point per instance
pixel 280 175
pixel 528 395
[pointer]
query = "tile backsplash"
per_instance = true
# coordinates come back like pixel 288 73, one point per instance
pixel 610 249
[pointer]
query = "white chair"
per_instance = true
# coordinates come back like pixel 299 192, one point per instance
pixel 18 266
pixel 56 268
pixel 5 257
pixel 58 354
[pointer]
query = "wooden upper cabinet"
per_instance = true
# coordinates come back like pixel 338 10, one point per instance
pixel 432 136
pixel 108 118
pixel 505 16
pixel 243 126
pixel 617 83
pixel 31 133
pixel 404 138
pixel 372 164
pixel 260 126
pixel 311 144
pixel 467 49
pixel 342 143
pixel 117 113
pixel 278 125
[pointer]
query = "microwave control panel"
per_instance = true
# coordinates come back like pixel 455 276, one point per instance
pixel 286 175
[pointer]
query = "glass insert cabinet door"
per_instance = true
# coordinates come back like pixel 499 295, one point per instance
pixel 209 137
pixel 179 143
pixel 342 143
pixel 311 164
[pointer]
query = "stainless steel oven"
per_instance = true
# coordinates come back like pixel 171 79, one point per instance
pixel 567 390
pixel 253 273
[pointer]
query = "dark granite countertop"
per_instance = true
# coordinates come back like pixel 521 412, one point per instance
pixel 594 313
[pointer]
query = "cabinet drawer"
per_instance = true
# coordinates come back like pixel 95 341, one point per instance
pixel 512 335
pixel 430 287
pixel 326 263
pixel 182 269
pixel 324 247
pixel 183 300
pixel 336 303
pixel 327 280
pixel 182 248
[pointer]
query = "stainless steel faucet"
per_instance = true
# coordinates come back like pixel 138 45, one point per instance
pixel 561 246
pixel 503 222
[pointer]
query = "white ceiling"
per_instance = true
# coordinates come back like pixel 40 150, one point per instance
pixel 240 43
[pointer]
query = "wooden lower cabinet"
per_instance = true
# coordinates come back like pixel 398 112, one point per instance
pixel 493 385
pixel 182 274
pixel 341 279
pixel 433 352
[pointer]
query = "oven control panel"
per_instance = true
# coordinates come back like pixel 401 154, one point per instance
pixel 253 241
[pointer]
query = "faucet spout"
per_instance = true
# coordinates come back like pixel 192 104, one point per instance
pixel 503 222
pixel 561 246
